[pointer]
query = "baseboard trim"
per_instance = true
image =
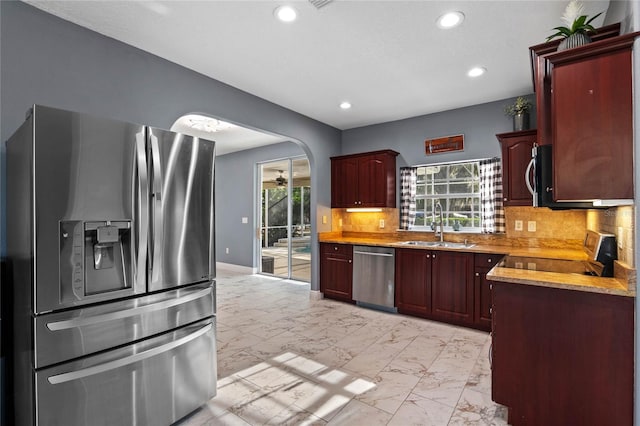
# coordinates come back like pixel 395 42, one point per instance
pixel 315 295
pixel 231 267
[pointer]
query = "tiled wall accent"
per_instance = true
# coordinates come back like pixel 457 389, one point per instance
pixel 554 229
pixel 557 224
pixel 618 221
pixel 365 222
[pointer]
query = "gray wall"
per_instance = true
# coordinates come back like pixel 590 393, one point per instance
pixel 49 61
pixel 236 197
pixel 478 123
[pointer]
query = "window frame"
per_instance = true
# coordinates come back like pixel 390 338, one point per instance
pixel 475 197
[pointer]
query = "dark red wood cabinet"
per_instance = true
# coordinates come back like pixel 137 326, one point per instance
pixel 364 180
pixel 452 287
pixel 516 154
pixel 482 288
pixel 562 357
pixel 435 284
pixel 585 110
pixel 413 282
pixel 336 271
pixel 592 122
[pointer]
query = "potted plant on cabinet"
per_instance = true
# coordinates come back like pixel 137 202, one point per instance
pixel 519 110
pixel 577 27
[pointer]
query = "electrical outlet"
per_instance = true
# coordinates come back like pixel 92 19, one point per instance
pixel 531 226
pixel 381 223
pixel 518 225
pixel 226 250
pixel 340 223
pixel 324 219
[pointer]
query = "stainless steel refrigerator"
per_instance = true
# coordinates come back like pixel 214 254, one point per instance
pixel 110 232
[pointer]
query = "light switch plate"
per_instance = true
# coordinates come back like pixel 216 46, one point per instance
pixel 381 223
pixel 324 219
pixel 518 225
pixel 245 220
pixel 531 226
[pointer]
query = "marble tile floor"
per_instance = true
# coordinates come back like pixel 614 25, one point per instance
pixel 284 359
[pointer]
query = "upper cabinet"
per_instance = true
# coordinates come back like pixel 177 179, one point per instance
pixel 585 111
pixel 516 155
pixel 364 180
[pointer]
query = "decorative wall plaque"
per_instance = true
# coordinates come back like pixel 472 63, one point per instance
pixel 445 144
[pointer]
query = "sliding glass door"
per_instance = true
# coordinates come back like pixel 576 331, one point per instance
pixel 285 228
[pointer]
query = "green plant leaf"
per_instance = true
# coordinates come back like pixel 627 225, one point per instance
pixel 578 23
pixel 590 20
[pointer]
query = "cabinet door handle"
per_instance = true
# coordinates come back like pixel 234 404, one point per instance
pixel 349 260
pixel 477 274
pixel 490 310
pixel 434 255
pixel 335 248
pixel 489 260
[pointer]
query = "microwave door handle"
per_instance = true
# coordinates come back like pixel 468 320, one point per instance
pixel 141 203
pixel 118 363
pixel 528 175
pixel 157 236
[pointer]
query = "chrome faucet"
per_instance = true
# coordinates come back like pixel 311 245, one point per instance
pixel 435 209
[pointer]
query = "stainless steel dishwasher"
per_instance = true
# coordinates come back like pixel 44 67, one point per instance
pixel 373 277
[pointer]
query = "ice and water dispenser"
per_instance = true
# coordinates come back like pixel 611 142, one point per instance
pixel 95 258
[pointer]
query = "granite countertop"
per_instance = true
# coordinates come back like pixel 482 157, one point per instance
pixel 578 282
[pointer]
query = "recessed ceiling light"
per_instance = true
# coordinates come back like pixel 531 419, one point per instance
pixel 345 105
pixel 286 13
pixel 476 71
pixel 450 20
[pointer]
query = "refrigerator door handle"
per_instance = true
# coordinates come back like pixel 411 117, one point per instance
pixel 118 363
pixel 157 209
pixel 126 313
pixel 142 212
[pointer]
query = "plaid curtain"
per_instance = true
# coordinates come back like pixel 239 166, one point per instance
pixel 492 210
pixel 408 177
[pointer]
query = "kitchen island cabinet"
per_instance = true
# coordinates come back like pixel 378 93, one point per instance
pixel 364 180
pixel 336 271
pixel 561 356
pixel 482 288
pixel 516 153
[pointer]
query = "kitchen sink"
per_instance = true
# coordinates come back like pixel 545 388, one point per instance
pixel 444 244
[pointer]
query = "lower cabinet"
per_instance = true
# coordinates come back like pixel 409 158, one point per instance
pixel 413 282
pixel 452 287
pixel 435 284
pixel 562 357
pixel 336 271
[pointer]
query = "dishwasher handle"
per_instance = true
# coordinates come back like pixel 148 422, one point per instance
pixel 367 253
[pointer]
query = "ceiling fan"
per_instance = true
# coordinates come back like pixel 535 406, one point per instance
pixel 280 180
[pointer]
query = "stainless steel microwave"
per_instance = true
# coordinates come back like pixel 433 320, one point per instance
pixel 539 180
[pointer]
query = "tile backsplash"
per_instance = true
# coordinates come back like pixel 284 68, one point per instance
pixel 620 222
pixel 553 228
pixel 365 222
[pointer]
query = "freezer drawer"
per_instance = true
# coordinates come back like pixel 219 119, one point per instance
pixel 63 336
pixel 153 382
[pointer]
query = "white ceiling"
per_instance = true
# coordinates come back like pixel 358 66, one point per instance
pixel 387 58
